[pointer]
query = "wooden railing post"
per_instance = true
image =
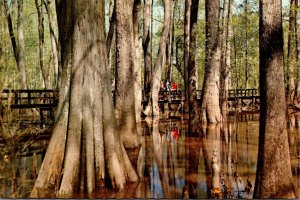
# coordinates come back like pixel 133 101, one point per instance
pixel 16 97
pixel 29 96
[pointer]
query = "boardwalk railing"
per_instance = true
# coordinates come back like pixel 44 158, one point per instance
pixel 43 100
pixel 237 93
pixel 240 100
pixel 165 95
pixel 47 100
pixel 29 98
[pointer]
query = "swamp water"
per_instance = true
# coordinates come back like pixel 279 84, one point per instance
pixel 172 163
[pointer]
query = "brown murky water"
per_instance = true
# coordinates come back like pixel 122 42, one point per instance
pixel 172 163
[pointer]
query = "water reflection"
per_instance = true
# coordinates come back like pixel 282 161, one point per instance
pixel 171 164
pixel 18 173
pixel 294 144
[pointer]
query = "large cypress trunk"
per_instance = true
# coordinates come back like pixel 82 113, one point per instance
pixel 125 68
pixel 274 175
pixel 85 142
pixel 210 96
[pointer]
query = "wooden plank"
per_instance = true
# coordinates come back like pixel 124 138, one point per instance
pixel 24 106
pixel 26 91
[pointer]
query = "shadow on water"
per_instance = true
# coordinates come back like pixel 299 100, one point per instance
pixel 220 162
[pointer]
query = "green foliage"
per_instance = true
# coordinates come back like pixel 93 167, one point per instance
pixel 241 23
pixel 8 68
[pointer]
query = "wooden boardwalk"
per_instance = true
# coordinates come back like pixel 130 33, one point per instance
pixel 240 100
pixel 45 101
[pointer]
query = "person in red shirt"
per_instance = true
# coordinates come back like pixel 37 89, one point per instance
pixel 174 86
pixel 176 134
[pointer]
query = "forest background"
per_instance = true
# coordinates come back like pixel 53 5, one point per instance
pixel 245 46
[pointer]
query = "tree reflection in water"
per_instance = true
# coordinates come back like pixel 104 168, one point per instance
pixel 171 164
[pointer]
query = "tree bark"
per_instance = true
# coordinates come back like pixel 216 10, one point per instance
pixel 40 11
pixel 210 108
pixel 137 61
pixel 111 30
pixel 170 47
pixel 85 134
pixel 225 66
pixel 147 38
pixel 125 74
pixel 291 49
pixel 186 51
pixel 194 110
pixel 54 45
pixel 178 62
pixel 223 31
pixel 155 84
pixel 21 46
pixel 111 40
pixel 274 175
pixel 297 39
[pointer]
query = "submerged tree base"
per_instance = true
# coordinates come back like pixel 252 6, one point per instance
pixel 85 146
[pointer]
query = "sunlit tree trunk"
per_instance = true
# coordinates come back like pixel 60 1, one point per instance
pixel 155 84
pixel 194 110
pixel 111 30
pixel 110 42
pixel 137 61
pixel 168 55
pixel 54 45
pixel 274 175
pixel 21 45
pixel 125 68
pixel 210 107
pixel 225 66
pixel 229 36
pixel 170 51
pixel 85 146
pixel 147 38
